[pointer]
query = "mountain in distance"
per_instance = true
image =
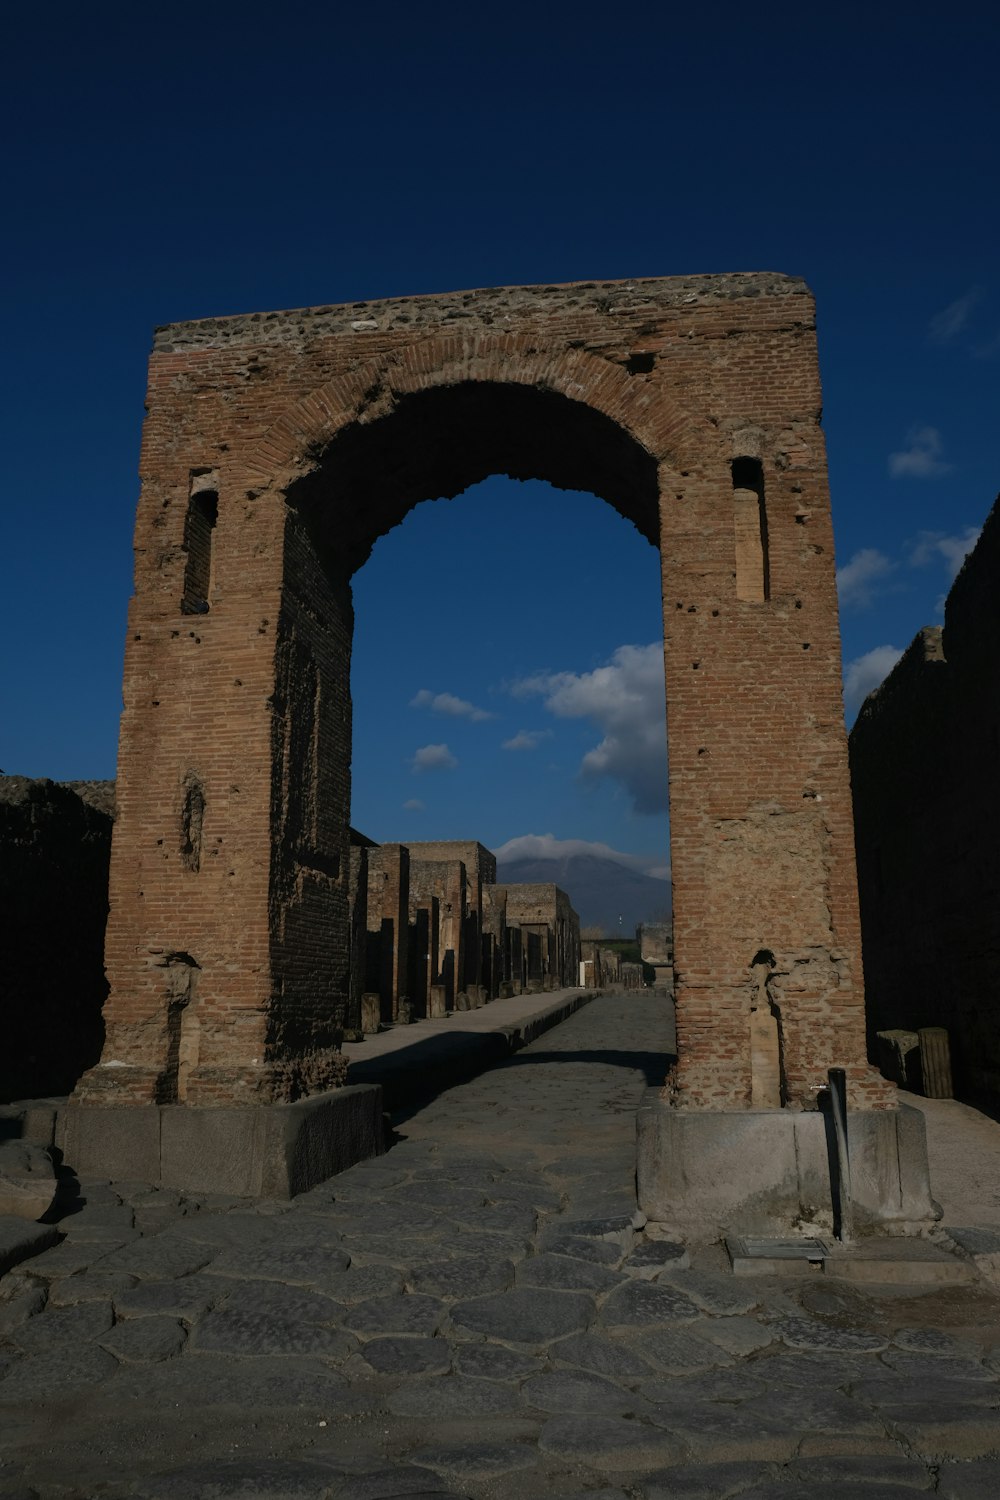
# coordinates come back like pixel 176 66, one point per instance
pixel 601 890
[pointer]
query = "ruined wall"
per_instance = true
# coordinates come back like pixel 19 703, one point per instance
pixel 55 844
pixel 925 753
pixel 276 450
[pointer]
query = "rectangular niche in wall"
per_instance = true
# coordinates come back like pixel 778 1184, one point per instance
pixel 753 580
pixel 199 531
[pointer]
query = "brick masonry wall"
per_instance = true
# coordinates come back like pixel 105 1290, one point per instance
pixel 318 430
pixel 924 758
pixel 55 844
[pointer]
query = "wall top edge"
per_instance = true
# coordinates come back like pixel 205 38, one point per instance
pixel 491 305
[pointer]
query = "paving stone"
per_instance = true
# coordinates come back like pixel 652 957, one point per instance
pixel 405 1220
pixel 271 1299
pixel 462 1277
pixel 63 1327
pixel 499 1218
pixel 57 1372
pixel 812 1409
pixel 98 1216
pixel 145 1339
pixel 738 1336
pixel 779 1365
pixel 159 1258
pixel 809 1333
pixel 527 1315
pixel 926 1341
pixel 408 1356
pixel 245 1479
pixel 602 1252
pixel 642 1303
pixel 936 1366
pixel 415 1313
pixel 444 1398
pixel 494 1361
pixel 15 1310
pixel 304 1265
pixel 237 1332
pixel 392 1484
pixel 679 1352
pixel 269 1382
pixel 717 1432
pixel 560 1271
pixel 936 1431
pixel 734 1383
pixel 89 1286
pixel 577 1391
pixel 895 1388
pixel 494 1246
pixel 69 1258
pixel 648 1258
pixel 609 1443
pixel 537 1195
pixel 710 1481
pixel 21 1240
pixel 188 1297
pixel 439 1195
pixel 476 1460
pixel 601 1354
pixel 907 1473
pixel 721 1295
pixel 979 1480
pixel 363 1282
pixel 618 1227
pixel 225 1230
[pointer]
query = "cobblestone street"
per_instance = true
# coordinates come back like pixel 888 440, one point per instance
pixel 480 1313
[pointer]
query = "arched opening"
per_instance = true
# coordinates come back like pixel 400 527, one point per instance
pixel 363 484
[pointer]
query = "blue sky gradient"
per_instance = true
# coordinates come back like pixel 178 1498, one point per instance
pixel 180 161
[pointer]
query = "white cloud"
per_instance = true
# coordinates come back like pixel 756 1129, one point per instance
pixel 864 673
pixel 952 320
pixel 921 458
pixel 625 699
pixel 527 739
pixel 447 703
pixel 937 546
pixel 433 758
pixel 856 578
pixel 413 804
pixel 547 846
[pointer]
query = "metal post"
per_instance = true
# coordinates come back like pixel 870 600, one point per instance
pixel 838 1106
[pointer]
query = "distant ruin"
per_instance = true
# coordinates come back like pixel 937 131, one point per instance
pixel 925 754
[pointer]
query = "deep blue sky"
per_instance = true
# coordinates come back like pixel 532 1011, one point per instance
pixel 174 161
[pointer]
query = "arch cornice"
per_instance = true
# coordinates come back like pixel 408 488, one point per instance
pixel 370 391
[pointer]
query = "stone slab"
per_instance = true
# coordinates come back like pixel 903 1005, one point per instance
pixel 269 1151
pixel 709 1173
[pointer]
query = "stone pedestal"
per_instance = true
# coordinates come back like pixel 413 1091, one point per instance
pixel 266 1151
pixel 766 1172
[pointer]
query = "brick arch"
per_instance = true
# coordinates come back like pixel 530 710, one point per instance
pixel 253 695
pixel 288 447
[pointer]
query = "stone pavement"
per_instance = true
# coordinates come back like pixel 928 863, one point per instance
pixel 479 1313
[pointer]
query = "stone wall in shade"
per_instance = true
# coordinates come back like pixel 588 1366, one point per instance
pixel 925 768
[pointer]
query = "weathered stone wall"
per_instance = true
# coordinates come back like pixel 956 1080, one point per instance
pixel 276 450
pixel 55 844
pixel 925 758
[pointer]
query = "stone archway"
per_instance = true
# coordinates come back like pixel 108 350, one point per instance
pixel 276 450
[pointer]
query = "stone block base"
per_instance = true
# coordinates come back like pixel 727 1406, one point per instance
pixel 769 1172
pixel 262 1151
